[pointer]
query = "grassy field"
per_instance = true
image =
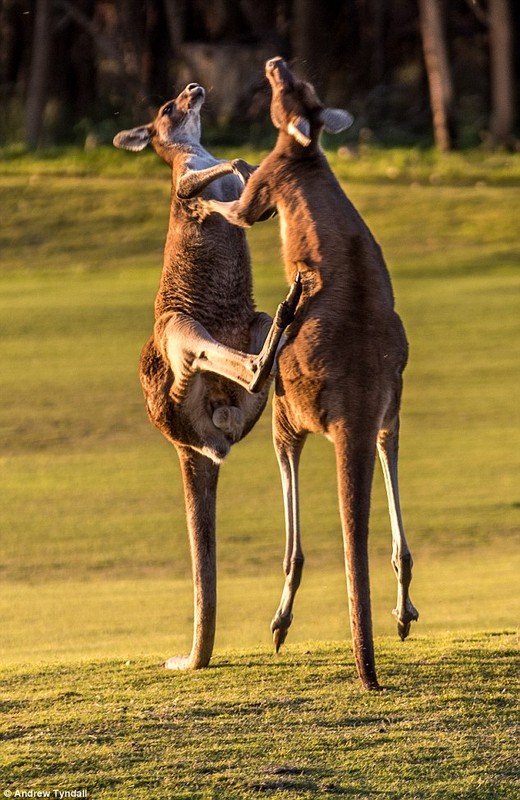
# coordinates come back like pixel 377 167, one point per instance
pixel 95 569
pixel 292 727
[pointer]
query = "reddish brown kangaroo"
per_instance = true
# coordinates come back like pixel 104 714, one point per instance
pixel 198 368
pixel 340 372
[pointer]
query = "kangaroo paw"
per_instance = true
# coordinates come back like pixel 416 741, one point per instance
pixel 287 309
pixel 279 628
pixel 404 621
pixel 262 374
pixel 283 317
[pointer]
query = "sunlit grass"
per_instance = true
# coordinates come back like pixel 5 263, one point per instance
pixel 80 457
pixel 296 726
pixel 66 619
pixel 96 586
pixel 366 163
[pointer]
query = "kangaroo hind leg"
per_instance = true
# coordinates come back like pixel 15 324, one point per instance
pixel 288 454
pixel 200 476
pixel 189 348
pixel 388 446
pixel 355 456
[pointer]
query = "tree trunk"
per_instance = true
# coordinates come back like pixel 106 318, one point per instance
pixel 371 34
pixel 175 11
pixel 438 70
pixel 39 73
pixel 133 16
pixel 502 113
pixel 311 35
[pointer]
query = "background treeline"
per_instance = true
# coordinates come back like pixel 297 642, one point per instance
pixel 412 71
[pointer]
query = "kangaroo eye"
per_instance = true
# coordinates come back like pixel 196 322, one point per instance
pixel 167 110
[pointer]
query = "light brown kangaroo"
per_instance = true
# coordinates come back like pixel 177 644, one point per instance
pixel 210 348
pixel 340 372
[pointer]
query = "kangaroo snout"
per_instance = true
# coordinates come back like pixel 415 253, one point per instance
pixel 195 90
pixel 194 95
pixel 277 68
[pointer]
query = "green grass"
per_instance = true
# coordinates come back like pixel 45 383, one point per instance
pixel 295 726
pixel 94 560
pixel 367 163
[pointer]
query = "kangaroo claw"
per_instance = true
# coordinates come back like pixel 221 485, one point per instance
pixel 403 625
pixel 283 317
pixel 287 309
pixel 279 628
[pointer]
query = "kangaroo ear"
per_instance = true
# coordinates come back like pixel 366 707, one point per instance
pixel 135 140
pixel 335 120
pixel 300 129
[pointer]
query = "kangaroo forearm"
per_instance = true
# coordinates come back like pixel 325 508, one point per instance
pixel 230 211
pixel 193 182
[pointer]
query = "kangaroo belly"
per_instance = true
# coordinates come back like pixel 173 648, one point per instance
pixel 326 374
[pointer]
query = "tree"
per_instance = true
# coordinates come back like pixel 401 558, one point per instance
pixel 93 60
pixel 499 21
pixel 38 73
pixel 175 11
pixel 371 34
pixel 502 112
pixel 311 38
pixel 438 70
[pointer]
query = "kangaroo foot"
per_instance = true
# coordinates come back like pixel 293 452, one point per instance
pixel 283 317
pixel 184 663
pixel 177 662
pixel 279 628
pixel 287 309
pixel 404 620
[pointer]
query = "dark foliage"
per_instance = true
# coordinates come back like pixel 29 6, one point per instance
pixel 79 70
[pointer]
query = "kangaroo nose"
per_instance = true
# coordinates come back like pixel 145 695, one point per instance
pixel 194 91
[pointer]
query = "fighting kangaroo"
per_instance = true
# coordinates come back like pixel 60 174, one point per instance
pixel 340 371
pixel 209 349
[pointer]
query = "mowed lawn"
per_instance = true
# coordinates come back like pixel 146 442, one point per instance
pixel 96 586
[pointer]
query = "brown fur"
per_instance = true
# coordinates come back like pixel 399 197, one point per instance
pixel 198 364
pixel 340 372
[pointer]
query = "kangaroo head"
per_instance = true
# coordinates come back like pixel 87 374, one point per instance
pixel 297 109
pixel 177 122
